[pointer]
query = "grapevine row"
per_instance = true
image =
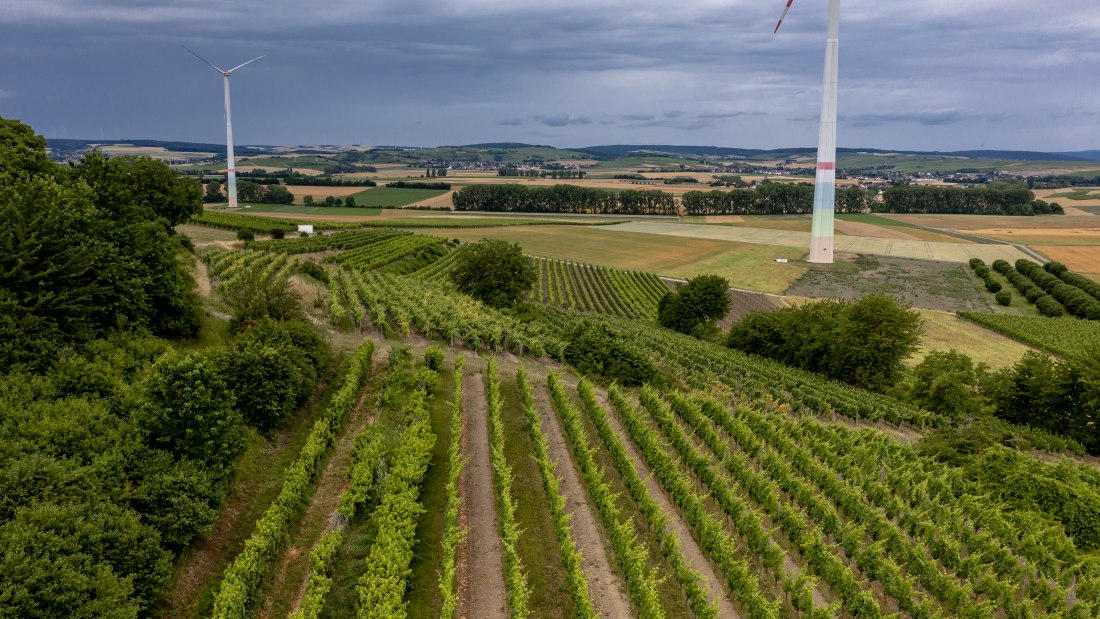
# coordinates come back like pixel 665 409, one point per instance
pixel 349 239
pixel 452 534
pixel 384 252
pixel 243 577
pixel 514 578
pixel 381 588
pixel 630 554
pixel 709 530
pixel 656 519
pixel 571 557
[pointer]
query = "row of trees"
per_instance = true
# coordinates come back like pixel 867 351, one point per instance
pixel 536 173
pixel 563 199
pixel 348 201
pixel 248 191
pixel 772 199
pixel 996 198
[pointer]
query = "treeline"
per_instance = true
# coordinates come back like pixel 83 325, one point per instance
pixel 997 198
pixel 328 181
pixel 419 185
pixel 559 174
pixel 247 191
pixel 772 199
pixel 563 199
pixel 863 343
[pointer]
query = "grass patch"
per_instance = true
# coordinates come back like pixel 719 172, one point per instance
pixel 877 220
pixel 1083 193
pixel 748 266
pixel 428 558
pixel 393 196
pixel 537 548
pixel 204 234
pixel 944 331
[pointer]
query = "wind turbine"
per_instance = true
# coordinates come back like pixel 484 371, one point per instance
pixel 231 176
pixel 821 237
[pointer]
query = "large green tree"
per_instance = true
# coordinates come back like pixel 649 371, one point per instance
pixel 88 249
pixel 694 307
pixel 495 272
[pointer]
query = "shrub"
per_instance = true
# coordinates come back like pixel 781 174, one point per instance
pixel 982 271
pixel 246 235
pixel 1047 306
pixel 314 270
pixel 1004 297
pixel 695 305
pixel 947 383
pixel 1001 266
pixel 1034 293
pixel 257 295
pixel 433 358
pixel 278 233
pixel 593 349
pixel 992 286
pixel 1055 268
pixel 976 262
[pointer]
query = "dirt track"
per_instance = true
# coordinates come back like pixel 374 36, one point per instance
pixel 481 563
pixel 608 591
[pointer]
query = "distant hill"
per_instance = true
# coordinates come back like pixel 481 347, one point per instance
pixel 623 150
pixel 71 146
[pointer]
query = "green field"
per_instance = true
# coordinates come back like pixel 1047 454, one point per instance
pixel 393 196
pixel 748 266
pixel 295 209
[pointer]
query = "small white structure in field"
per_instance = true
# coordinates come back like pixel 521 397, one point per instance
pixel 307 228
pixel 782 260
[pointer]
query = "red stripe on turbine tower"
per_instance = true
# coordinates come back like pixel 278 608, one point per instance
pixel 826 165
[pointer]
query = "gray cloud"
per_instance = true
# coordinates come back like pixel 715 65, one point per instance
pixel 929 118
pixel 924 74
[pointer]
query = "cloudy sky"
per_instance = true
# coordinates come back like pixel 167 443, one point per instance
pixel 915 74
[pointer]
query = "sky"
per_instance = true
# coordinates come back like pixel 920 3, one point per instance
pixel 914 74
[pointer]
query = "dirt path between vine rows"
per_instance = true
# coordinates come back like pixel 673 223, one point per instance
pixel 608 591
pixel 480 557
pixel 693 553
pixel 294 572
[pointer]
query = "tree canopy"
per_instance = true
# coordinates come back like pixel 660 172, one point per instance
pixel 495 272
pixel 695 305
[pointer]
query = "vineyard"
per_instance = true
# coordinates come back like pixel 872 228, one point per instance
pixel 238 221
pixel 227 268
pixel 385 251
pixel 1066 336
pixel 587 288
pixel 349 239
pixel 710 508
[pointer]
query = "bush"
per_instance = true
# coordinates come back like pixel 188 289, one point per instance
pixel 433 358
pixel 257 295
pixel 976 262
pixel 188 410
pixel 246 235
pixel 278 233
pixel 1047 306
pixel 862 343
pixel 314 270
pixel 495 272
pixel 593 349
pixel 948 383
pixel 1034 293
pixel 1055 268
pixel 982 271
pixel 1004 297
pixel 1001 266
pixel 272 367
pixel 695 305
pixel 992 286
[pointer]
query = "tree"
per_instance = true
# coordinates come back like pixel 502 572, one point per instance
pixel 949 383
pixel 349 201
pixel 495 272
pixel 213 192
pixel 188 411
pixel 694 307
pixel 259 295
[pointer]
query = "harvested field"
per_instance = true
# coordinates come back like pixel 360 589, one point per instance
pixel 1045 236
pixel 920 250
pixel 853 228
pixel 321 192
pixel 1085 260
pixel 980 222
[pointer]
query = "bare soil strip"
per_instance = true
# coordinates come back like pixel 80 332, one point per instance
pixel 481 563
pixel 293 575
pixel 609 592
pixel 693 554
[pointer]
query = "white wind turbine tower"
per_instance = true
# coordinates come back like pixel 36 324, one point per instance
pixel 231 176
pixel 821 238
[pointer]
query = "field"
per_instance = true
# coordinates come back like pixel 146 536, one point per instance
pixel 297 210
pixel 1085 260
pixel 389 196
pixel 1068 337
pixel 746 266
pixel 944 331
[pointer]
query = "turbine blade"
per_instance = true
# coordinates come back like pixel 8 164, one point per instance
pixel 785 9
pixel 203 59
pixel 241 65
